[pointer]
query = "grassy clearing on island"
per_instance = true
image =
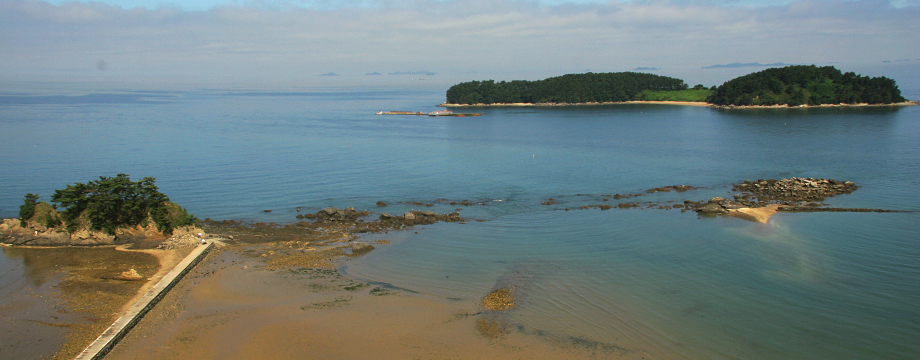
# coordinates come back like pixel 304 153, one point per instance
pixel 692 95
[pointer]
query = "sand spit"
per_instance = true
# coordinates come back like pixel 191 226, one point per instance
pixel 738 107
pixel 761 215
pixel 685 103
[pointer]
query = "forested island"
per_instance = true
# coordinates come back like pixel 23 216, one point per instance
pixel 566 89
pixel 795 85
pixel 806 85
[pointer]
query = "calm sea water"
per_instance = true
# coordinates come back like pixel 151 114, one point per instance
pixel 804 286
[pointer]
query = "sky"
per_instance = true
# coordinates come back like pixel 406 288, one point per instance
pixel 302 42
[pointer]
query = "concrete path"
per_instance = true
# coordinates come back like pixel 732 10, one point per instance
pixel 133 315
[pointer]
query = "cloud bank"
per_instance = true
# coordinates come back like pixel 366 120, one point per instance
pixel 475 38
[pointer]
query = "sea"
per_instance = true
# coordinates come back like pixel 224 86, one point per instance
pixel 841 285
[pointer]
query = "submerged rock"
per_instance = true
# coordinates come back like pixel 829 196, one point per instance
pixel 499 300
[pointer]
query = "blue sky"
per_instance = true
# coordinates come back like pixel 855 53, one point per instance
pixel 294 41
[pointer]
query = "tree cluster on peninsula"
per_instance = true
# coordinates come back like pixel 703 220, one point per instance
pixel 806 85
pixel 566 89
pixel 105 205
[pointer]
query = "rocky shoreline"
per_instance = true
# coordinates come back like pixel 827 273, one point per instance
pixel 13 233
pixel 786 106
pixel 787 195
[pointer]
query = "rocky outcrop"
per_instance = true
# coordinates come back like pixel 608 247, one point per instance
pixel 795 189
pixel 678 188
pixel 359 248
pixel 385 221
pixel 718 205
pixel 418 217
pixel 791 192
pixel 12 232
pixel 333 214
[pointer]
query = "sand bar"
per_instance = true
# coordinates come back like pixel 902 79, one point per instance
pixel 760 214
pixel 687 103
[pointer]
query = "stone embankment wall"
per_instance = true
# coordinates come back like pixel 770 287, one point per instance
pixel 111 336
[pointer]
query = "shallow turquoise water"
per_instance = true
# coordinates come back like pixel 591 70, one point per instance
pixel 804 286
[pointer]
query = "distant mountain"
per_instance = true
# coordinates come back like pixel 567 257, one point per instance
pixel 738 65
pixel 643 68
pixel 426 73
pixel 329 74
pixel 373 74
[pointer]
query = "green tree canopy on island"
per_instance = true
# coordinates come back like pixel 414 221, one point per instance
pixel 572 88
pixel 113 202
pixel 806 85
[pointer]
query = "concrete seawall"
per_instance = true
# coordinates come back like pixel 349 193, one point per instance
pixel 133 315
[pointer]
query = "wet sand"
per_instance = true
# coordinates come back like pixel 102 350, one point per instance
pixel 168 259
pixel 761 215
pixel 235 306
pixel 70 298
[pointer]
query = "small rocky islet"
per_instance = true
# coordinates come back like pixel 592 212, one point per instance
pixel 789 193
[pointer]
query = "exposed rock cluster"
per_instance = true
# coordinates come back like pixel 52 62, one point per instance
pixel 418 217
pixel 718 205
pixel 180 241
pixel 760 193
pixel 13 233
pixel 795 189
pixel 678 188
pixel 333 214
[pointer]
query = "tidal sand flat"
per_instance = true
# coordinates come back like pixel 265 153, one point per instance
pixel 235 306
pixel 69 297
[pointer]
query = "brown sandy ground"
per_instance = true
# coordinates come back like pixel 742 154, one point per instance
pixel 761 215
pixel 686 103
pixel 242 303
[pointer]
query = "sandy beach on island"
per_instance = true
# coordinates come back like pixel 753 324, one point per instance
pixel 685 103
pixel 234 306
pixel 688 103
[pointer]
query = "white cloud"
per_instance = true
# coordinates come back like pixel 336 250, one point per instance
pixel 455 37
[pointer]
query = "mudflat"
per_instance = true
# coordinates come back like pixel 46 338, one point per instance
pixel 72 296
pixel 235 305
